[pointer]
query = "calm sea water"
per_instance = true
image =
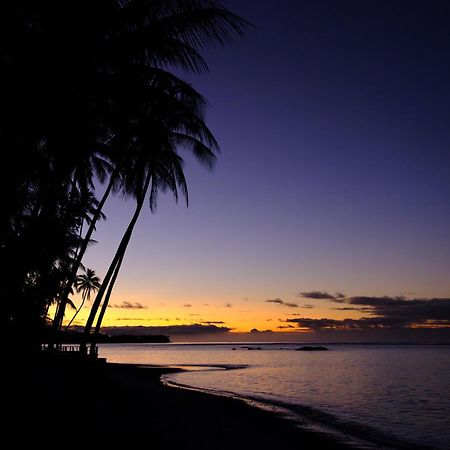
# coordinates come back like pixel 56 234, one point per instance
pixel 389 395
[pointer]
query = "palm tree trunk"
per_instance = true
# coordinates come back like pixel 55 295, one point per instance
pixel 83 299
pixel 94 336
pixel 80 238
pixel 112 268
pixel 98 299
pixel 59 316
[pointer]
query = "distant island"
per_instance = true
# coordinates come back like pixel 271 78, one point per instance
pixel 129 338
pixel 76 337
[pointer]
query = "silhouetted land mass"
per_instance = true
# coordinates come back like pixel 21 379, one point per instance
pixel 127 405
pixel 130 339
pixel 76 337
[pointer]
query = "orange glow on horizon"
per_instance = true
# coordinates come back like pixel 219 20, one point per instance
pixel 240 316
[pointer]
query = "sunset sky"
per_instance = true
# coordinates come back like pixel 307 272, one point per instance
pixel 330 198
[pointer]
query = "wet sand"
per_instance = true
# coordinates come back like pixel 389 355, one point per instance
pixel 60 402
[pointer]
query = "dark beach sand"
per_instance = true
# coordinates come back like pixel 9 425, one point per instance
pixel 55 402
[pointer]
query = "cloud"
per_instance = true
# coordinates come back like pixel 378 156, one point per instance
pixel 129 305
pixel 308 306
pixel 228 305
pixel 256 331
pixel 413 310
pixel 282 302
pixel 187 305
pixel 275 300
pixel 386 312
pixel 381 301
pixel 210 322
pixel 282 327
pixel 345 324
pixel 351 308
pixel 132 318
pixel 322 295
pixel 168 330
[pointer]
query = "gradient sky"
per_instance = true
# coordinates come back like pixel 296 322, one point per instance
pixel 333 119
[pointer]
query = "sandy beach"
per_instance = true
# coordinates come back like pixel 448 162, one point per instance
pixel 117 403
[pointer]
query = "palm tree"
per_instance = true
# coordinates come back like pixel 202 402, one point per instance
pixel 77 73
pixel 149 36
pixel 172 119
pixel 86 283
pixel 90 214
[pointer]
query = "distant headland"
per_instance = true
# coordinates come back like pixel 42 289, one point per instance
pixel 76 337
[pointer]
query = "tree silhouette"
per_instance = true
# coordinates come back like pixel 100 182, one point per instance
pixel 89 96
pixel 86 283
pixel 173 118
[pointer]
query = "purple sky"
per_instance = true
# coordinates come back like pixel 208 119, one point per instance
pixel 333 119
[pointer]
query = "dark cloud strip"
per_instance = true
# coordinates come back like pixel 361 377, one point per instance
pixel 413 310
pixel 129 305
pixel 275 300
pixel 282 302
pixel 322 295
pixel 386 312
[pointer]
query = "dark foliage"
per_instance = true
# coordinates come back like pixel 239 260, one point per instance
pixel 87 97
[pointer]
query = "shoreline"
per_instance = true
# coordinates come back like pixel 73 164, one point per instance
pixel 226 420
pixel 129 404
pixel 286 412
pixel 343 434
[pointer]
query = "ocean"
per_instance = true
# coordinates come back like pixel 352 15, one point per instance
pixel 371 396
